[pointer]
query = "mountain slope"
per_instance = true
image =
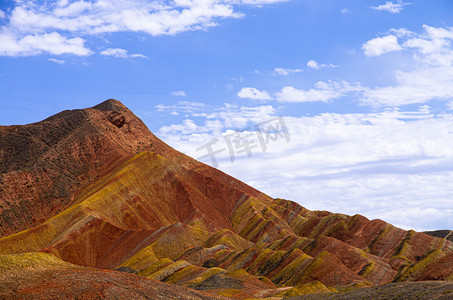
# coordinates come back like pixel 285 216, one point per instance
pixel 22 277
pixel 45 165
pixel 165 216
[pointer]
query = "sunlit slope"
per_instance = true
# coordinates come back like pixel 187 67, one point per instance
pixel 122 209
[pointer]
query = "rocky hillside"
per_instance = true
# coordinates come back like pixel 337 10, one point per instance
pixel 164 216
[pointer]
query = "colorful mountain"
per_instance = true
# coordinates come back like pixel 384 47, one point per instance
pixel 131 203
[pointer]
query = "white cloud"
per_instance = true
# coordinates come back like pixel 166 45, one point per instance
pixel 120 53
pixel 285 71
pixel 381 45
pixel 323 92
pixel 100 16
pixel 401 32
pixel 52 43
pixel 438 33
pixel 178 93
pixel 80 18
pixel 253 93
pixel 57 61
pixel 138 55
pixel 345 11
pixel 430 78
pixel 217 120
pixel 313 64
pixel 377 163
pixel 115 52
pixel 262 2
pixel 450 105
pixel 426 46
pixel 182 106
pixel 417 86
pixel 234 116
pixel 393 8
pixel 2 14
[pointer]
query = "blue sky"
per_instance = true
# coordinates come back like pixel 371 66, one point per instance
pixel 364 88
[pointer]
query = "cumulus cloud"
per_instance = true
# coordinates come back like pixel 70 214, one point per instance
pixel 313 64
pixel 322 92
pixel 233 116
pixel 51 43
pixel 76 19
pixel 57 61
pixel 216 119
pixel 345 11
pixel 393 8
pixel 285 71
pixel 401 32
pixel 253 93
pixel 377 163
pixel 2 14
pixel 430 78
pixel 381 45
pixel 178 93
pixel 99 16
pixel 120 53
pixel 418 86
pixel 115 52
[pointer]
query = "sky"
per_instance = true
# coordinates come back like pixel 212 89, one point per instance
pixel 339 105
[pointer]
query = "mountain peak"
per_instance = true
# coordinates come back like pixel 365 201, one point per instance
pixel 61 155
pixel 110 105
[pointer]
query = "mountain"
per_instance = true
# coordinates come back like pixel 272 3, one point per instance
pixel 44 165
pixel 133 204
